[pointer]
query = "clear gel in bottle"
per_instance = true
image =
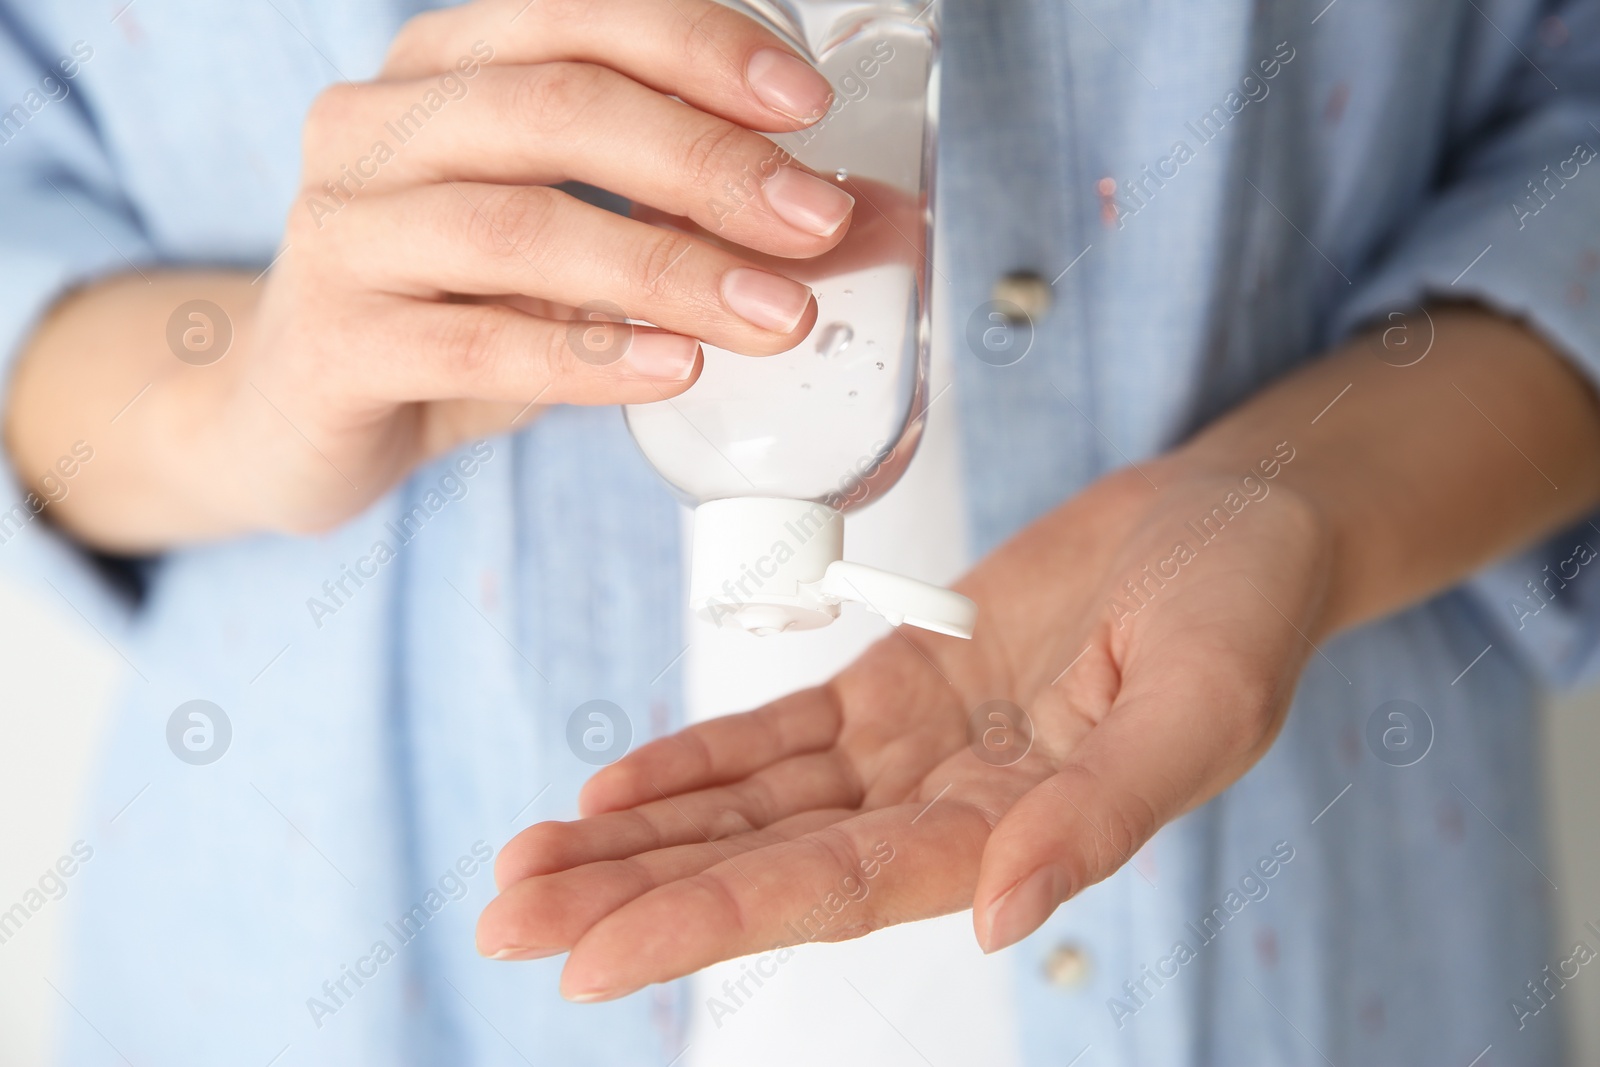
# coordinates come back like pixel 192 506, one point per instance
pixel 771 451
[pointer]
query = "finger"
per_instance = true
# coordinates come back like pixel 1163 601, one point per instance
pixel 1144 765
pixel 571 122
pixel 805 783
pixel 722 750
pixel 429 351
pixel 886 226
pixel 481 239
pixel 884 867
pixel 714 58
pixel 537 917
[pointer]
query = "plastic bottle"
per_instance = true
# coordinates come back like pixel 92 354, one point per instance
pixel 773 451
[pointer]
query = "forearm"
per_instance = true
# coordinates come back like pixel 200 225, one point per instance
pixel 1427 472
pixel 99 370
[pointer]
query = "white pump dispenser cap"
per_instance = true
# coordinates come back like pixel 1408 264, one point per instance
pixel 766 565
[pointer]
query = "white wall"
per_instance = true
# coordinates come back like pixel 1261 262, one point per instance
pixel 59 676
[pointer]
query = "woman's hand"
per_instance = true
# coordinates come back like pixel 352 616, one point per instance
pixel 430 277
pixel 1152 637
pixel 729 837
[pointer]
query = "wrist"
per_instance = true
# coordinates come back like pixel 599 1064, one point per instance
pixel 1241 477
pixel 105 367
pixel 197 432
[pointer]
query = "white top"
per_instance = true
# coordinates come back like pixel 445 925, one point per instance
pixel 907 994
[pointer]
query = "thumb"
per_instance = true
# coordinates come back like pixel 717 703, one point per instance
pixel 1142 766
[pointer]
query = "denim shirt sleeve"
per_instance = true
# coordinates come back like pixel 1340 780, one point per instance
pixel 64 224
pixel 1514 224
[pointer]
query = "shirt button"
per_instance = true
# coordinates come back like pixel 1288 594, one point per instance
pixel 1067 966
pixel 1025 291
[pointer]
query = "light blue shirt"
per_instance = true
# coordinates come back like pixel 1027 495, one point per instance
pixel 234 912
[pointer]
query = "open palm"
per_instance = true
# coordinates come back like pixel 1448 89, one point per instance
pixel 1005 774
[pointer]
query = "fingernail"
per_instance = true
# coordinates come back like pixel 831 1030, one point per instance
pixel 510 953
pixel 664 357
pixel 766 300
pixel 1024 908
pixel 788 86
pixel 589 996
pixel 806 201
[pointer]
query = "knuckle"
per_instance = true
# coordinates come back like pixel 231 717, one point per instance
pixel 695 753
pixel 657 256
pixel 328 120
pixel 637 873
pixel 512 223
pixel 650 825
pixel 713 154
pixel 333 107
pixel 831 923
pixel 756 805
pixel 848 926
pixel 558 95
pixel 716 885
pixel 729 822
pixel 469 344
pixel 703 25
pixel 559 357
pixel 1130 824
pixel 1116 828
pixel 840 848
pixel 413 44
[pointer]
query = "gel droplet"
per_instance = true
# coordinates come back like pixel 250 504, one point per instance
pixel 841 174
pixel 834 339
pixel 878 365
pixel 849 292
pixel 852 393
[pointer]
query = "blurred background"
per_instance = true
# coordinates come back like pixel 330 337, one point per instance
pixel 60 678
